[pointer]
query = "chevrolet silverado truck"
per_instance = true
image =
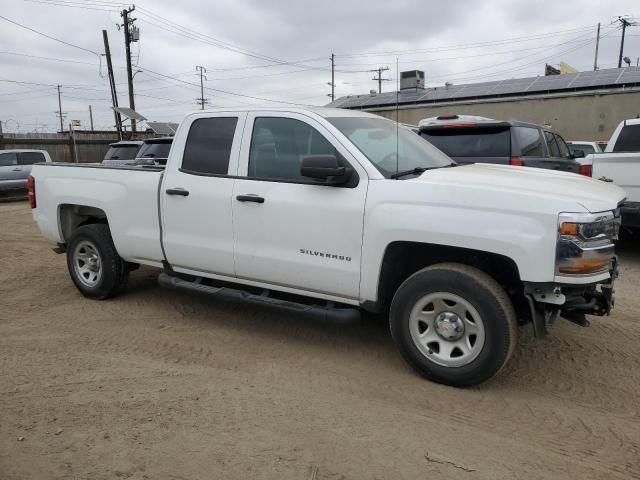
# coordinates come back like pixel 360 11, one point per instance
pixel 620 164
pixel 332 212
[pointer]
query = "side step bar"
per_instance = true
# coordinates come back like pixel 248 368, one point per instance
pixel 331 313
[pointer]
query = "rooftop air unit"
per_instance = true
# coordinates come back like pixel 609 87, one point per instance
pixel 413 79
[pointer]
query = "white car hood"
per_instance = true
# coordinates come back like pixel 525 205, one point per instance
pixel 592 195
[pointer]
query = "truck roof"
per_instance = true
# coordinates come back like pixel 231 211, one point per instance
pixel 22 150
pixel 322 111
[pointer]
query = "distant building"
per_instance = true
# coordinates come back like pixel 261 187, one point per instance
pixel 582 106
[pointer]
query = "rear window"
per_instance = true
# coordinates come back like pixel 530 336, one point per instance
pixel 530 141
pixel 29 158
pixel 585 147
pixel 628 140
pixel 208 146
pixel 155 150
pixel 122 152
pixel 470 142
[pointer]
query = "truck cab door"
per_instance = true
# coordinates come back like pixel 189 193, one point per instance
pixel 290 230
pixel 10 171
pixel 195 194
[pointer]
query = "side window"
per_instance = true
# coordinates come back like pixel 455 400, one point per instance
pixel 530 141
pixel 553 144
pixel 8 159
pixel 278 146
pixel 29 158
pixel 208 146
pixel 562 146
pixel 628 140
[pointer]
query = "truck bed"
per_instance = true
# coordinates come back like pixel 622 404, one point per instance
pixel 128 196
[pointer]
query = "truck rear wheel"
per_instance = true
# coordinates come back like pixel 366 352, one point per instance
pixel 94 264
pixel 454 324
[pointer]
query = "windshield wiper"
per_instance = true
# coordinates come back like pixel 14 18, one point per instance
pixel 413 171
pixel 419 170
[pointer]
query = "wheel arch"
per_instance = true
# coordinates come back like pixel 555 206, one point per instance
pixel 72 216
pixel 404 258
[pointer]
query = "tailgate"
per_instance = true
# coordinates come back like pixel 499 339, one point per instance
pixel 623 169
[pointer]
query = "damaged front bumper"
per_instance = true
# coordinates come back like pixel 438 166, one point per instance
pixel 573 302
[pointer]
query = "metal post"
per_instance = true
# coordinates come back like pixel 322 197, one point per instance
pixel 114 95
pixel 201 100
pixel 595 61
pixel 91 117
pixel 127 44
pixel 333 77
pixel 60 110
pixel 624 28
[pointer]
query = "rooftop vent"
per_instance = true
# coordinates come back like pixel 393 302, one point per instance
pixel 413 79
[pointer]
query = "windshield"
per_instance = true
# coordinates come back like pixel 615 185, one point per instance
pixel 389 151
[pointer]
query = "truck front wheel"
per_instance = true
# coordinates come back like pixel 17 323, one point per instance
pixel 94 264
pixel 454 324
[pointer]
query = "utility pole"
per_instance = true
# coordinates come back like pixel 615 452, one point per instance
pixel 91 117
pixel 333 78
pixel 127 43
pixel 201 100
pixel 595 61
pixel 60 114
pixel 625 23
pixel 379 77
pixel 112 82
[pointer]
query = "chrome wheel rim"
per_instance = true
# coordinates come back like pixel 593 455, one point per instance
pixel 447 329
pixel 87 263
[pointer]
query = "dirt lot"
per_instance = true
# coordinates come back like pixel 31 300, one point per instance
pixel 157 384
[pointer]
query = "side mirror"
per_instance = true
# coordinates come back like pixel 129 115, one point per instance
pixel 325 168
pixel 578 154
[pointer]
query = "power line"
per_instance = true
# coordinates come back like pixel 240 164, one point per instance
pixel 465 45
pixel 49 36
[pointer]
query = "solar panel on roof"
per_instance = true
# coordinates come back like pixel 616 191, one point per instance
pixel 593 79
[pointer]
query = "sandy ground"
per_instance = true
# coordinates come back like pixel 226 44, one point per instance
pixel 163 385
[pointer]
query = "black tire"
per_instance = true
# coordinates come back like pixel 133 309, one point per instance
pixel 484 294
pixel 114 273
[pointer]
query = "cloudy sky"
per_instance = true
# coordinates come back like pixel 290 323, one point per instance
pixel 258 52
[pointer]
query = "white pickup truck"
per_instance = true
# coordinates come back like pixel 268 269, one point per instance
pixel 620 164
pixel 332 211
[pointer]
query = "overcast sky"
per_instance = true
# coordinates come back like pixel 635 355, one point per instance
pixel 243 43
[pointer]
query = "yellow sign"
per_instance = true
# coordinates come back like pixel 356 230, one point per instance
pixel 75 123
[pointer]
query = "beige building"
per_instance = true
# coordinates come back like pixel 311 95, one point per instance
pixel 581 106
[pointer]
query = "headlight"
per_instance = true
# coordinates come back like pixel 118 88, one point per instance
pixel 585 242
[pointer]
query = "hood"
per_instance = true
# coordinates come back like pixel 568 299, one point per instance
pixel 592 195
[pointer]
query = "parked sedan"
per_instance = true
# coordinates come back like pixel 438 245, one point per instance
pixel 15 166
pixel 472 139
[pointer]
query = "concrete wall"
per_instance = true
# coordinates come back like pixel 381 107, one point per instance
pixel 576 117
pixel 89 147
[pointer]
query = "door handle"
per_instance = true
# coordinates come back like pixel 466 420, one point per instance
pixel 606 179
pixel 17 169
pixel 178 191
pixel 250 198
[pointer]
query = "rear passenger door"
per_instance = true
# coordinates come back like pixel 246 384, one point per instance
pixel 197 228
pixel 10 171
pixel 528 144
pixel 566 158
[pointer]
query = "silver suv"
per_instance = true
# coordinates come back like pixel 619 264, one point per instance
pixel 15 166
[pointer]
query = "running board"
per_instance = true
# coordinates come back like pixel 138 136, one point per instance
pixel 329 312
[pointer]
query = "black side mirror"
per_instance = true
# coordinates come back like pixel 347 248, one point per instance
pixel 578 154
pixel 325 168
